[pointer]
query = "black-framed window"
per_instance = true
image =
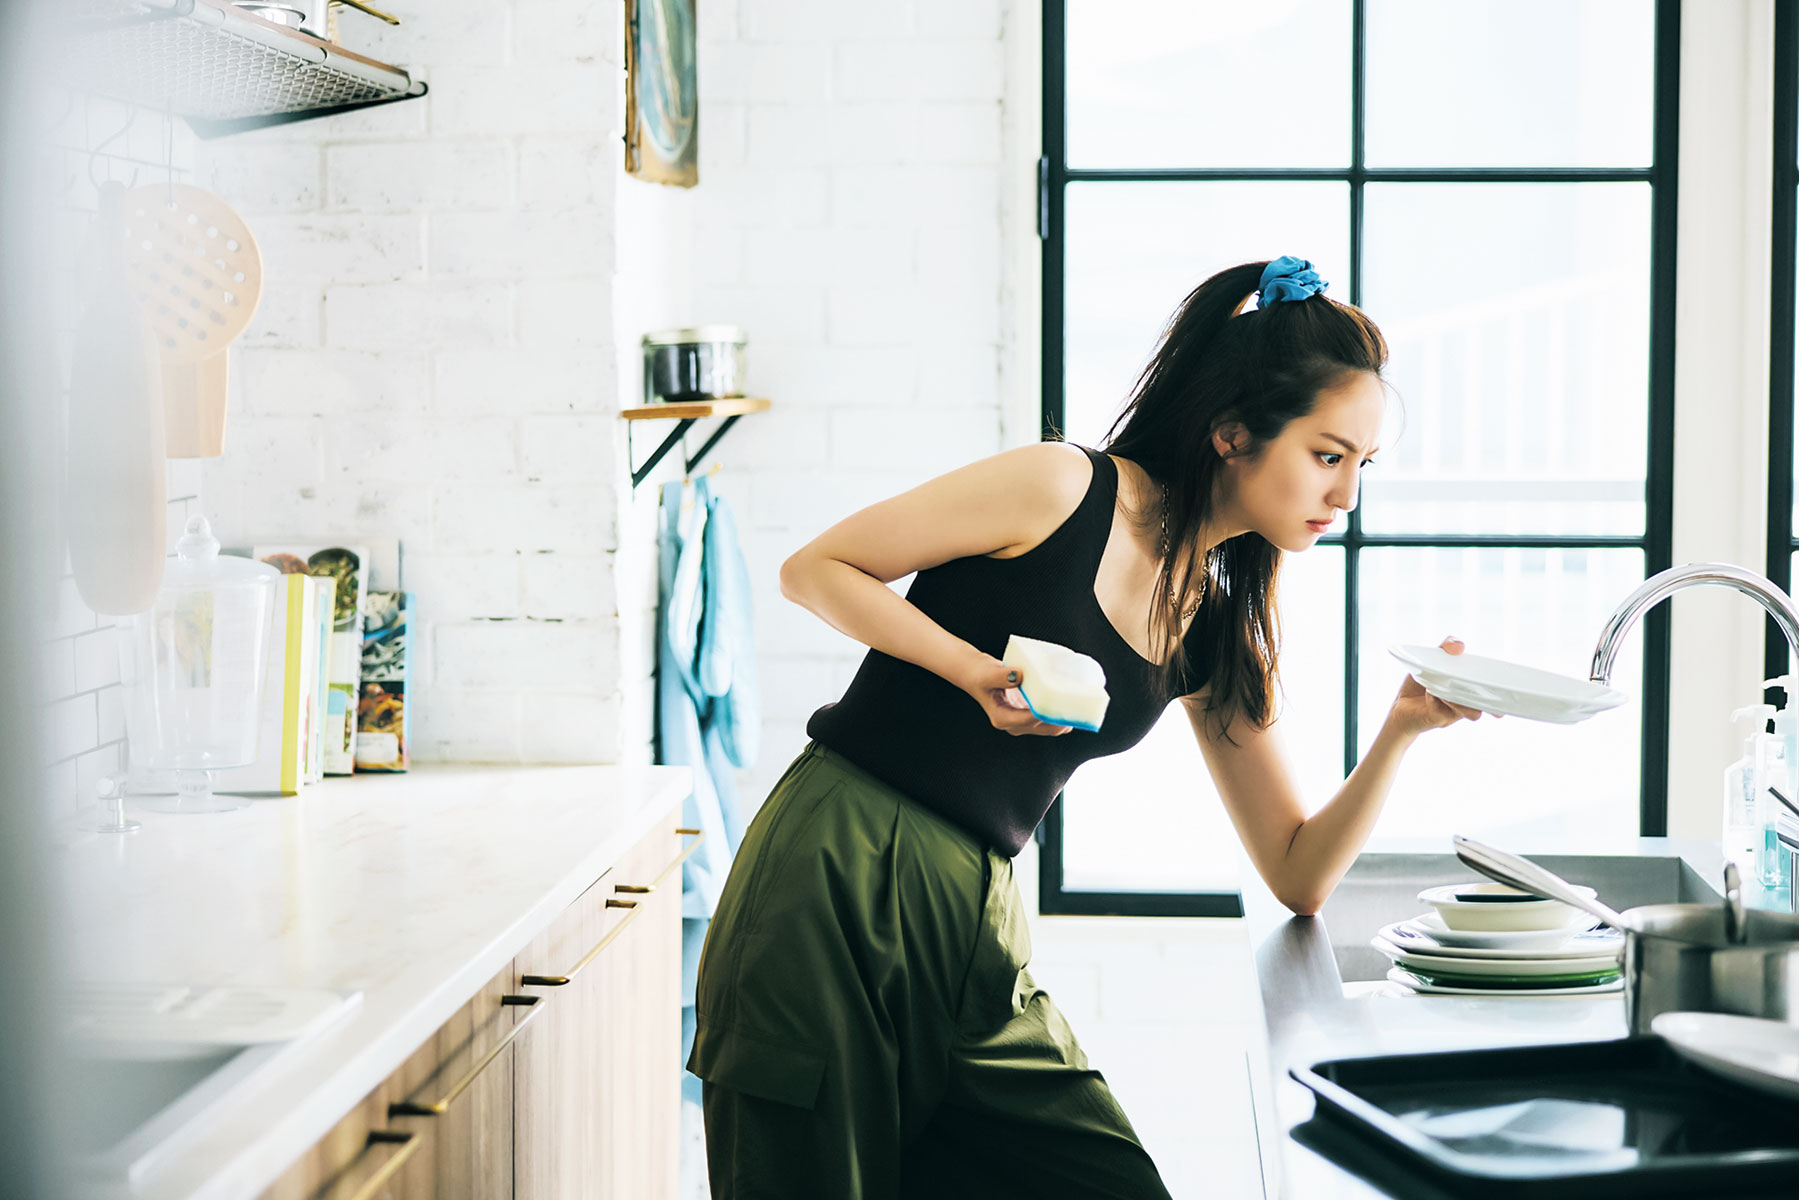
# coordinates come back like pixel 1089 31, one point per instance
pixel 1784 454
pixel 1526 162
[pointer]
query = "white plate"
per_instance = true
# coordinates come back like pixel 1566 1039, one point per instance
pixel 1506 688
pixel 1406 978
pixel 1495 966
pixel 1428 935
pixel 1536 940
pixel 1521 912
pixel 1763 1054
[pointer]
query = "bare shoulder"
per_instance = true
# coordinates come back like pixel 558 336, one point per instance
pixel 999 506
pixel 1053 478
pixel 1054 471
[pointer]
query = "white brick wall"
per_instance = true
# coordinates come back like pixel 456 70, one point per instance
pixel 433 361
pixel 84 719
pixel 456 288
pixel 850 218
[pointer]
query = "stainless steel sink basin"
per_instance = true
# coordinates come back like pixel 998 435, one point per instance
pixel 1381 888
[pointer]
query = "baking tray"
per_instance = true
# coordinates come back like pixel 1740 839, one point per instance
pixel 1622 1117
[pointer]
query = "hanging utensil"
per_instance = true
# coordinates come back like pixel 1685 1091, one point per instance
pixel 116 492
pixel 196 271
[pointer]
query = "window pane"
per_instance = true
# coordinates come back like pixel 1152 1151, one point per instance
pixel 1207 83
pixel 1135 250
pixel 1544 608
pixel 1150 819
pixel 1518 320
pixel 1510 83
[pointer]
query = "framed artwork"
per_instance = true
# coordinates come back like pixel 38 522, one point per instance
pixel 661 97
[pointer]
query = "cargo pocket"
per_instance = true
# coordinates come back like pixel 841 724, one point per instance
pixel 757 1066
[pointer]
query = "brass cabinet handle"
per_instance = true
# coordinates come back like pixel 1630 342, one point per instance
pixel 409 1108
pixel 591 955
pixel 616 930
pixel 634 887
pixel 683 856
pixel 408 1145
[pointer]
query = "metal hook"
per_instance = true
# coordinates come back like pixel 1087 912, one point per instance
pixel 94 153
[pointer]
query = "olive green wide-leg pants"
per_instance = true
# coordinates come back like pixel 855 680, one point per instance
pixel 866 1025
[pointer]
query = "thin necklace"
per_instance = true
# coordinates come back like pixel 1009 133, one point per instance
pixel 1173 603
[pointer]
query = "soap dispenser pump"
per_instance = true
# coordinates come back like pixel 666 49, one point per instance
pixel 1741 831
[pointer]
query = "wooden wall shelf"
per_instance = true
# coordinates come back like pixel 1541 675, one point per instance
pixel 731 408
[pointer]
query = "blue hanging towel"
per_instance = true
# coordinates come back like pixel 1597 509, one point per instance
pixel 707 711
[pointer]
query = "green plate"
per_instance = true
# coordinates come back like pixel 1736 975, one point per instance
pixel 1454 979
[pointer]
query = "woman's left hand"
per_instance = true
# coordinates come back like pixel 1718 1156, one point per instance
pixel 1417 710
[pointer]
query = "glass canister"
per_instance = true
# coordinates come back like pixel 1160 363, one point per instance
pixel 192 670
pixel 704 362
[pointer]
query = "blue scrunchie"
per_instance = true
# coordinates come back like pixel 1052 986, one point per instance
pixel 1288 278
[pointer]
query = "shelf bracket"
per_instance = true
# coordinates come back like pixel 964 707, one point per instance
pixel 639 474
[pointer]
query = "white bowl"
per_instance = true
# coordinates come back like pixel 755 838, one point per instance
pixel 1536 913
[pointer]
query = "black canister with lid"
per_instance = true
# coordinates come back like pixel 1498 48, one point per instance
pixel 700 363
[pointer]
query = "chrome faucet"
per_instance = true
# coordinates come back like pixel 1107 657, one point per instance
pixel 1661 586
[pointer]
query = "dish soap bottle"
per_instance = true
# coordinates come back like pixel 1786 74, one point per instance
pixel 1776 818
pixel 1741 832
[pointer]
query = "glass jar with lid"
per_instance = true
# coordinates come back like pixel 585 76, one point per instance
pixel 192 670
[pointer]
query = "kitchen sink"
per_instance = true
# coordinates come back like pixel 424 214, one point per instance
pixel 147 1067
pixel 1381 888
pixel 133 1104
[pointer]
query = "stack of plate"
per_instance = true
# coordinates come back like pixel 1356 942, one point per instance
pixel 1431 957
pixel 1506 688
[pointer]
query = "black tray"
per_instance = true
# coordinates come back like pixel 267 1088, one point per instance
pixel 1621 1117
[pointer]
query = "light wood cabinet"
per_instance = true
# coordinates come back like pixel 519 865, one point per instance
pixel 598 1087
pixel 439 1128
pixel 559 1080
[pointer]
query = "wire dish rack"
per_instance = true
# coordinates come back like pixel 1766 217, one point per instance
pixel 220 67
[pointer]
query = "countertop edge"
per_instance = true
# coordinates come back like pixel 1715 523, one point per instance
pixel 1265 917
pixel 285 1112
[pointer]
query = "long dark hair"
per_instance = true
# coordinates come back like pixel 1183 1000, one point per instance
pixel 1217 364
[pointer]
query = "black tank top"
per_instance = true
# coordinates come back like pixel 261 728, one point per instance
pixel 931 740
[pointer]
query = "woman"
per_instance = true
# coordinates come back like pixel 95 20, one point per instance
pixel 866 1023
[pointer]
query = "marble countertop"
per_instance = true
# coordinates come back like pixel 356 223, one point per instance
pixel 1310 1014
pixel 414 889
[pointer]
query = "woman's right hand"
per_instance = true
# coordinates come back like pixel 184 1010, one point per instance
pixel 995 686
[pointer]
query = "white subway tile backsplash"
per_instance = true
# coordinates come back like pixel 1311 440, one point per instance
pixel 56 661
pixel 71 727
pixel 96 660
